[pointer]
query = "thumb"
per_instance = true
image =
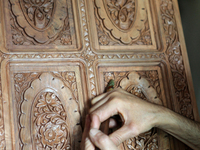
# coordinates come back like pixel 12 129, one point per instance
pixel 101 140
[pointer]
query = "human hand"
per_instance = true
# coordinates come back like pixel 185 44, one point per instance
pixel 95 138
pixel 138 116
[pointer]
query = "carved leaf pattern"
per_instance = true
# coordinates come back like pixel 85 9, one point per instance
pixel 122 12
pixel 106 40
pixel 148 140
pixel 174 55
pixel 50 123
pixel 39 10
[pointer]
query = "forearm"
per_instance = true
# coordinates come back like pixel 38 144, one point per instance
pixel 182 128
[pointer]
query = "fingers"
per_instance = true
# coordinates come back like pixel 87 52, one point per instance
pixel 121 135
pixel 99 103
pixel 101 140
pixel 98 98
pixel 86 144
pixel 102 113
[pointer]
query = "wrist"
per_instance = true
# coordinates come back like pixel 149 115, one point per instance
pixel 161 117
pixel 165 119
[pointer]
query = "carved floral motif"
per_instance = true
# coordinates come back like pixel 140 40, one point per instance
pixel 66 40
pixel 144 141
pixel 122 14
pixel 50 123
pixel 148 140
pixel 39 14
pixel 19 79
pixel 175 58
pixel 49 113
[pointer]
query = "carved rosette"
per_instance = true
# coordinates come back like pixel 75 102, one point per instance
pixel 122 22
pixel 40 20
pixel 143 84
pixel 175 58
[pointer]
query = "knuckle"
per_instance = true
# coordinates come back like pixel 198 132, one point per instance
pixel 134 130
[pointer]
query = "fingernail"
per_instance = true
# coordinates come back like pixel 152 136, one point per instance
pixel 93 132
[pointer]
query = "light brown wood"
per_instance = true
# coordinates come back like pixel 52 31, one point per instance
pixel 57 55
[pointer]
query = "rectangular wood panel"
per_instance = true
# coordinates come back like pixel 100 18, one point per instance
pixel 32 26
pixel 129 26
pixel 45 102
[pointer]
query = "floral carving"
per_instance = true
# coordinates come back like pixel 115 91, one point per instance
pixel 18 39
pixel 49 113
pixel 66 40
pixel 103 40
pixel 174 55
pixel 50 123
pixel 153 75
pixel 39 17
pixel 70 76
pixel 137 91
pixel 106 40
pixel 122 12
pixel 122 15
pixel 143 141
pixel 19 79
pixel 38 12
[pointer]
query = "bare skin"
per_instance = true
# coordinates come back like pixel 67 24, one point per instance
pixel 138 117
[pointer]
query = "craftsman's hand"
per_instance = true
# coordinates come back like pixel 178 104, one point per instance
pixel 138 116
pixel 95 138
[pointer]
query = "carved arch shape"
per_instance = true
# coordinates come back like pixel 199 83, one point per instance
pixel 134 79
pixel 38 33
pixel 125 36
pixel 47 83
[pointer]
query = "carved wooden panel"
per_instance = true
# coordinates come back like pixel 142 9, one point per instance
pixel 124 24
pixel 47 105
pixel 43 24
pixel 55 56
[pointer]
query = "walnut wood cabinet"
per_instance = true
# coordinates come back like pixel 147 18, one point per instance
pixel 56 55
